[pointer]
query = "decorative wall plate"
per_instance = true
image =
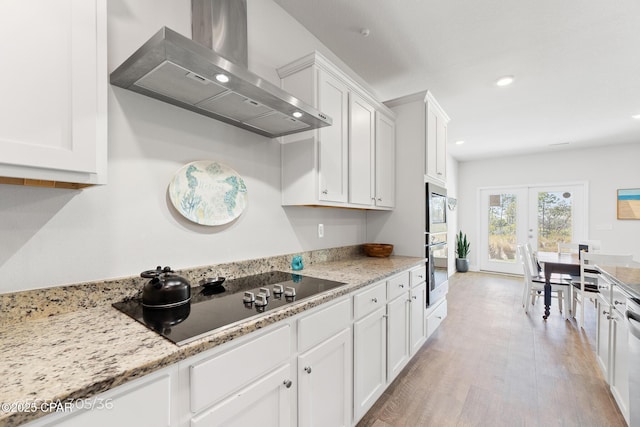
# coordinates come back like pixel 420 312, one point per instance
pixel 208 193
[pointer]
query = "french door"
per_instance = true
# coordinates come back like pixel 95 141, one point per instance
pixel 539 215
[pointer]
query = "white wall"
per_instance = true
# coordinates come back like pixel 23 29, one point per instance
pixel 50 237
pixel 606 169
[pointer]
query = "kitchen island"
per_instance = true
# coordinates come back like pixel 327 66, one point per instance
pixel 78 354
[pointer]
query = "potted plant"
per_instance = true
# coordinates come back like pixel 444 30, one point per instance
pixel 462 250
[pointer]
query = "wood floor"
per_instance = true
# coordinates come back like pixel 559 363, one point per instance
pixel 490 364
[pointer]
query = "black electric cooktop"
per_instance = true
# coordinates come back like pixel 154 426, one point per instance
pixel 212 308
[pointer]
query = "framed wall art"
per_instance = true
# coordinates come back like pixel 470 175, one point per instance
pixel 629 203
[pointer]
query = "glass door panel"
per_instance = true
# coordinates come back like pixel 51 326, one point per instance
pixel 541 216
pixel 502 214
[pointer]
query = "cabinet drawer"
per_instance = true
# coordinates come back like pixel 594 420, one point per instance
pixel 418 275
pixel 323 324
pixel 367 301
pixel 214 378
pixel 397 285
pixel 436 317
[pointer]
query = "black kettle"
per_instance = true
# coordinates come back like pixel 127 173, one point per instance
pixel 165 289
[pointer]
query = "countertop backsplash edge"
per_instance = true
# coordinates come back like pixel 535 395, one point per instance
pixel 45 302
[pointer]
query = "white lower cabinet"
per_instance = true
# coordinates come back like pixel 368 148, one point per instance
pixel 398 312
pixel 146 402
pixel 324 383
pixel 602 335
pixel 418 326
pixel 370 360
pixel 267 399
pixel 435 315
pixel 612 344
pixel 619 375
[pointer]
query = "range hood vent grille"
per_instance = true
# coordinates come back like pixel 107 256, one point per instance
pixel 182 72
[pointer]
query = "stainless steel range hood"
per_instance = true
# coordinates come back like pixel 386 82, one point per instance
pixel 190 74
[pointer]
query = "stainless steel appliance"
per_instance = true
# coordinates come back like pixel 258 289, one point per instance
pixel 436 247
pixel 633 319
pixel 235 300
pixel 208 75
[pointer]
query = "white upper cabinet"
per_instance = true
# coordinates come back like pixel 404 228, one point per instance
pixel 361 151
pixel 385 161
pixel 436 140
pixel 337 165
pixel 333 99
pixel 53 108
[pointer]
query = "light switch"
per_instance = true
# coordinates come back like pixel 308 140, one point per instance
pixel 321 230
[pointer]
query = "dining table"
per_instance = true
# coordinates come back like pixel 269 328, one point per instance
pixel 558 263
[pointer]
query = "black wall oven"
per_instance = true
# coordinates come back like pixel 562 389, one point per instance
pixel 436 248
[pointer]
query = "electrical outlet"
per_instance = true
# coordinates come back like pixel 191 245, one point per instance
pixel 321 230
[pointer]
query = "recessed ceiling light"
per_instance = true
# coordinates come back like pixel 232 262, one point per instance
pixel 636 116
pixel 459 142
pixel 504 81
pixel 222 78
pixel 297 114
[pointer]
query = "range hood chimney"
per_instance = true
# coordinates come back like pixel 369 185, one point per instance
pixel 208 75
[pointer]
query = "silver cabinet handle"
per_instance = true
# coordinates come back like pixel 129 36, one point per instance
pixel 379 199
pixel 307 369
pixel 374 300
pixel 385 316
pixel 420 276
pixel 401 285
pixel 287 383
pixel 325 192
pixel 605 312
pixel 603 287
pixel 618 302
pixel 415 297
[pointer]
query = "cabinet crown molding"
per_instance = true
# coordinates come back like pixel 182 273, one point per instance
pixel 315 58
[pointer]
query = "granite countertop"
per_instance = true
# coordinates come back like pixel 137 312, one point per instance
pixel 627 277
pixel 84 352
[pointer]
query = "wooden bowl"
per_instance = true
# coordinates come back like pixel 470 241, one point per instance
pixel 380 250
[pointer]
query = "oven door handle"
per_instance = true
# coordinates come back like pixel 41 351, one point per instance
pixel 634 323
pixel 435 245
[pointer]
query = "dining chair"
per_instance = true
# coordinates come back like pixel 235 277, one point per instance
pixel 586 287
pixel 593 245
pixel 534 281
pixel 568 248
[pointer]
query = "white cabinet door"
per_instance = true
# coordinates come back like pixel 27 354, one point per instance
pixel 385 165
pixel 602 336
pixel 397 335
pixel 324 383
pixel 418 327
pixel 53 107
pixel 145 403
pixel 619 373
pixel 333 99
pixel 369 362
pixel 266 402
pixel 361 154
pixel 436 150
pixel 432 146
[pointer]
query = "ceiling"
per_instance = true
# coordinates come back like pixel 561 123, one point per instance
pixel 576 65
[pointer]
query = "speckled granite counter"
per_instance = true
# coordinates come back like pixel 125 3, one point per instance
pixel 628 277
pixel 80 353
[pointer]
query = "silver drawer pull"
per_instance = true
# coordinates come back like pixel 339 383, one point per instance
pixel 287 383
pixel 374 300
pixel 307 369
